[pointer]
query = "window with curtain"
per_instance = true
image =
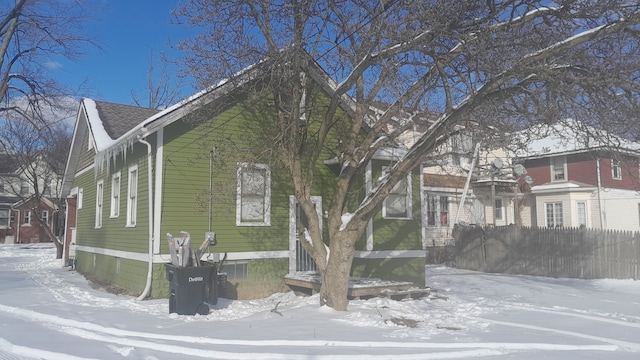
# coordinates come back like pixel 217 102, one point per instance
pixel 437 210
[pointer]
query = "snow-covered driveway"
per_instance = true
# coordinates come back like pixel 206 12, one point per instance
pixel 50 312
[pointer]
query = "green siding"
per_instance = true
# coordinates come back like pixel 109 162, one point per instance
pixel 235 136
pixel 391 269
pixel 265 277
pixel 129 275
pixel 114 234
pixel 86 155
pixel 186 176
pixel 398 234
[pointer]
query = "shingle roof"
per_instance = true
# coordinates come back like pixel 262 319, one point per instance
pixel 117 119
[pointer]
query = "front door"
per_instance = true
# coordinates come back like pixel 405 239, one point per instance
pixel 299 259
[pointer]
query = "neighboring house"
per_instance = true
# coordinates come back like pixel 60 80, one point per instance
pixel 462 172
pixel 565 175
pixel 22 220
pixel 581 178
pixel 134 175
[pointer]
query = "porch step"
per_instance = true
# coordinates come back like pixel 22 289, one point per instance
pixel 309 283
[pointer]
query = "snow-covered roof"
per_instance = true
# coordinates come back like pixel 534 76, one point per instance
pixel 101 139
pixel 110 121
pixel 561 186
pixel 568 136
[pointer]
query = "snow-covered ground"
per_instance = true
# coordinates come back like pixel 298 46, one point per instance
pixel 51 312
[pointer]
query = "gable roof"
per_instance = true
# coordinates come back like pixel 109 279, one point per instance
pixel 116 127
pixel 109 121
pixel 568 137
pixel 117 119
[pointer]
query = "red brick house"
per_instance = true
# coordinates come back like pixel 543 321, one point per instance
pixel 22 220
pixel 580 181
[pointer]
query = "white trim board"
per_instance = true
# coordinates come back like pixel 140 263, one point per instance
pixel 163 258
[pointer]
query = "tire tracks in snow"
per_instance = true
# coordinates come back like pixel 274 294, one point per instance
pixel 576 313
pixel 152 341
pixel 632 346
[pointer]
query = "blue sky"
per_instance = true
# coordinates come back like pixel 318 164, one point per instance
pixel 128 32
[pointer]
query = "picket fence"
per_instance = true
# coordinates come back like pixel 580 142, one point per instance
pixel 552 252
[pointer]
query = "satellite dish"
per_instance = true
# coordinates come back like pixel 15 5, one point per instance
pixel 528 179
pixel 519 170
pixel 497 163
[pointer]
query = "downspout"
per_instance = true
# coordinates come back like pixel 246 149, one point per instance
pixel 211 154
pixel 599 197
pixel 147 288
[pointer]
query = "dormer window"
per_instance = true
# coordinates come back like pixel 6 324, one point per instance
pixel 558 168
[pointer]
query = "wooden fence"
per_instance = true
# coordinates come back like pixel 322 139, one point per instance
pixel 553 252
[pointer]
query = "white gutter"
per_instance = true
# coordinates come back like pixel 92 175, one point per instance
pixel 147 288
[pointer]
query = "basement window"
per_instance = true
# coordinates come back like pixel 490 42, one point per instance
pixel 236 270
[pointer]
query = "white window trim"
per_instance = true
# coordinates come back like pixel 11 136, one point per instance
pixel 44 216
pixel 8 224
pixel 501 218
pixel 408 200
pixel 132 203
pixel 116 179
pixel 80 197
pixel 438 205
pixel 26 218
pixel 546 218
pixel 616 164
pixel 564 165
pixel 267 195
pixel 99 203
pixel 586 213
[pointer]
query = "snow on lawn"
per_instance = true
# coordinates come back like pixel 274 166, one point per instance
pixel 50 312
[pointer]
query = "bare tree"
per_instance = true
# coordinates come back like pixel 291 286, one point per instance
pixel 34 35
pixel 501 65
pixel 162 89
pixel 38 156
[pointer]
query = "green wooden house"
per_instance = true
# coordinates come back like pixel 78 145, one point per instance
pixel 134 175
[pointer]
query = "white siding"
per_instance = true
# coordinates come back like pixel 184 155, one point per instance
pixel 621 209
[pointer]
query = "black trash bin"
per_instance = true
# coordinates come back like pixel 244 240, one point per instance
pixel 191 288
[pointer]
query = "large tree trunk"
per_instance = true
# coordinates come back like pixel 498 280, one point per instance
pixel 335 279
